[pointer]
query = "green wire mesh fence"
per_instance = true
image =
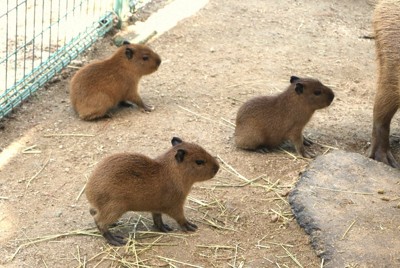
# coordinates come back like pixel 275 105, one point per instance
pixel 39 37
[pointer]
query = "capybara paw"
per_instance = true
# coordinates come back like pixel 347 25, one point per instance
pixel 147 108
pixel 188 226
pixel 125 104
pixel 307 141
pixel 263 150
pixel 107 115
pixel 308 154
pixel 115 240
pixel 164 228
pixel 386 158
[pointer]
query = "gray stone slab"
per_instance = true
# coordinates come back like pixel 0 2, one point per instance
pixel 350 207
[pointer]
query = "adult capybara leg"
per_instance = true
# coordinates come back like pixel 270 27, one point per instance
pixel 386 105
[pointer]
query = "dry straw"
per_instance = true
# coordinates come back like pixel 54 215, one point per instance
pixel 40 171
pixel 347 230
pixel 68 135
pixel 224 121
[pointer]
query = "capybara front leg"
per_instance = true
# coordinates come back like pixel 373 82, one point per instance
pixel 299 145
pixel 114 240
pixel 158 222
pixel 178 215
pixel 135 98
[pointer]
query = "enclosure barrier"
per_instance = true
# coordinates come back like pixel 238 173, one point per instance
pixel 41 38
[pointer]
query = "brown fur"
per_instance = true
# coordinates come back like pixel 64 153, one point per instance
pixel 386 24
pixel 134 182
pixel 268 121
pixel 100 86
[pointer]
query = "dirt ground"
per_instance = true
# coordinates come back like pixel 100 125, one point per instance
pixel 227 53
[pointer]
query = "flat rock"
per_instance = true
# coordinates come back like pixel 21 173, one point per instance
pixel 350 207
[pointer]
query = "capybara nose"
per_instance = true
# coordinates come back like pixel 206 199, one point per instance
pixel 331 97
pixel 216 168
pixel 158 61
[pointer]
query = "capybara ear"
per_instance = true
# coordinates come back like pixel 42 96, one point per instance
pixel 299 88
pixel 293 79
pixel 176 141
pixel 126 42
pixel 180 155
pixel 129 52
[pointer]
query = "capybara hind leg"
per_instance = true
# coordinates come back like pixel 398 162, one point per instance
pixel 246 142
pixel 96 107
pixel 135 98
pixel 114 240
pixel 386 105
pixel 103 220
pixel 158 222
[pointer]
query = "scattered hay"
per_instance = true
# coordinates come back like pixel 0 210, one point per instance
pixel 344 191
pixel 68 135
pixel 89 232
pixel 347 230
pixel 31 150
pixel 40 171
pixel 169 260
pixel 82 190
pixel 222 252
pixel 224 121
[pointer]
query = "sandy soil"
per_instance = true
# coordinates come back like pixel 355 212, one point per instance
pixel 212 62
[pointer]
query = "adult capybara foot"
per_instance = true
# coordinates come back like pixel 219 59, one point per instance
pixel 385 157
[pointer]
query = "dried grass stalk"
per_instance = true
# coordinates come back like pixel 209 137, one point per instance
pixel 68 135
pixel 180 262
pixel 347 230
pixel 37 173
pixel 343 191
pixel 292 257
pixel 204 117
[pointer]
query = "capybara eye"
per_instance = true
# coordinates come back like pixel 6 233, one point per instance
pixel 317 93
pixel 145 57
pixel 200 162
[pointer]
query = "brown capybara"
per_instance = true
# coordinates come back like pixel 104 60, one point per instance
pixel 266 122
pixel 102 85
pixel 134 182
pixel 386 25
